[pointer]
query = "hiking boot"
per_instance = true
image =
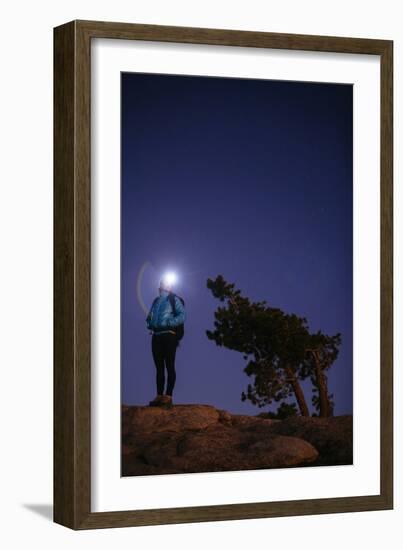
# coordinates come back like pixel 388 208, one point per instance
pixel 157 401
pixel 166 401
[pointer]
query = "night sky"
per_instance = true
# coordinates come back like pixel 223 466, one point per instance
pixel 250 179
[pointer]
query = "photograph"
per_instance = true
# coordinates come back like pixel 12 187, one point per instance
pixel 236 297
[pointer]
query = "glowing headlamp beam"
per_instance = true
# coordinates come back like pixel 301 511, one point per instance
pixel 169 278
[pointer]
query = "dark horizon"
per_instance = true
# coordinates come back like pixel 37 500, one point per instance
pixel 250 179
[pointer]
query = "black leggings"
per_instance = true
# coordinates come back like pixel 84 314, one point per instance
pixel 164 351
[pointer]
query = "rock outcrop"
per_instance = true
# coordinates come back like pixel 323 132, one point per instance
pixel 201 438
pixel 332 437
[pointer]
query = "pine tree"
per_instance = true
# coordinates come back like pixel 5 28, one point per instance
pixel 278 347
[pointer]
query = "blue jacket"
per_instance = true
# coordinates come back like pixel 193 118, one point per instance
pixel 161 315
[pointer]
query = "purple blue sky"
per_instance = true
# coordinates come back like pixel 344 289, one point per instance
pixel 250 179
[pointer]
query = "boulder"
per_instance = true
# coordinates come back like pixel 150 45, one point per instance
pixel 178 418
pixel 332 436
pixel 201 438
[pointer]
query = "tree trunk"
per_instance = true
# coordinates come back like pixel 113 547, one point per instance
pixel 299 394
pixel 324 405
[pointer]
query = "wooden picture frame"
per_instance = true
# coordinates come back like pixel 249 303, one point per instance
pixel 72 269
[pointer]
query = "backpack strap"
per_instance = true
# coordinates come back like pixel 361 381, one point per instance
pixel 171 297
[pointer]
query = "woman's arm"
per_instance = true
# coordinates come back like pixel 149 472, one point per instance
pixel 149 318
pixel 180 316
